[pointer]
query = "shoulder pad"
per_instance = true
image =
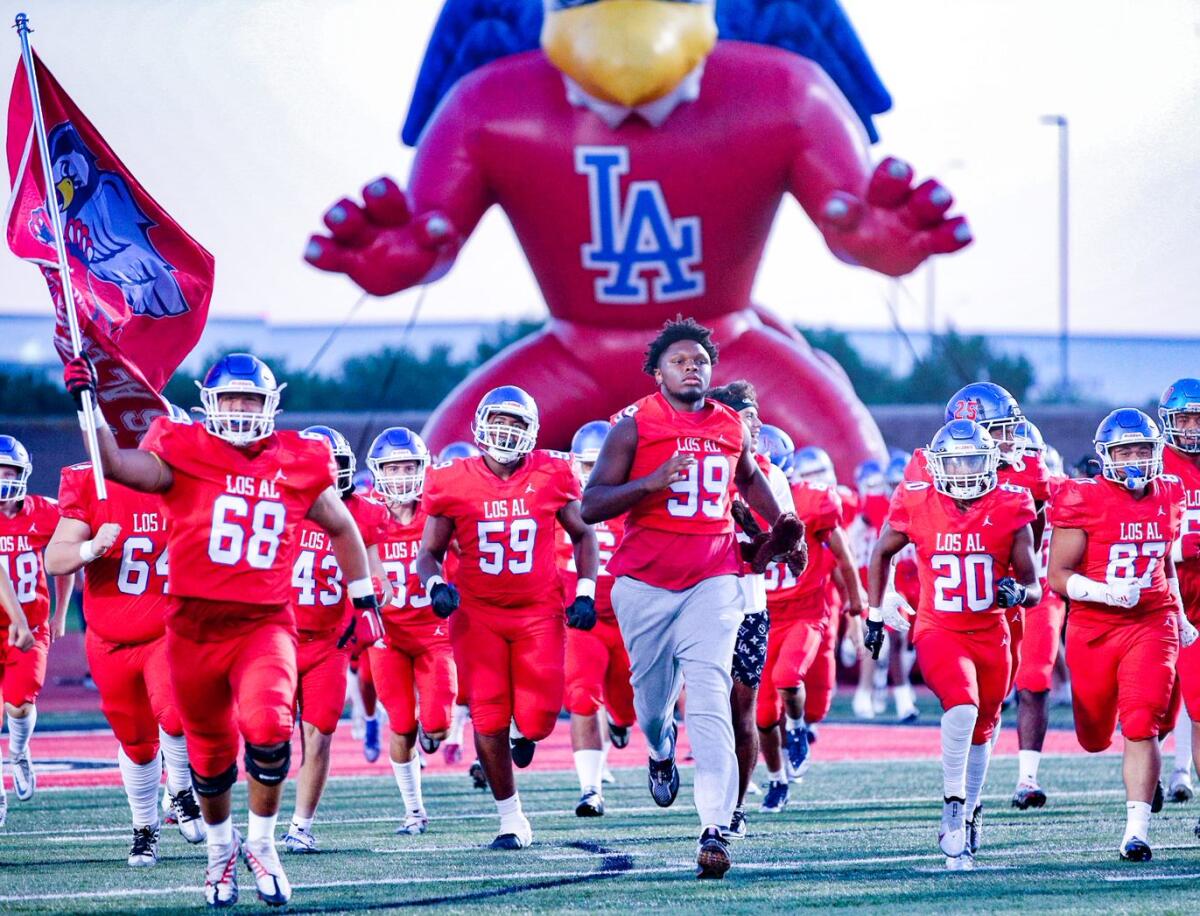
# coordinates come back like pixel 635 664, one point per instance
pixel 822 487
pixel 1091 480
pixel 561 456
pixel 1172 478
pixel 916 484
pixel 442 464
pixel 311 437
pixel 1013 488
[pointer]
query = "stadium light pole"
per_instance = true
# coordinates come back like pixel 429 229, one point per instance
pixel 1064 174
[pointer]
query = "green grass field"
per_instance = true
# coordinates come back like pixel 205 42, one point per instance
pixel 857 836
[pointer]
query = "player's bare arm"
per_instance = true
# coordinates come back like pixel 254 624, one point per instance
pixel 587 549
pixel 1024 566
pixel 879 566
pixel 753 485
pixel 379 574
pixel 1067 549
pixel 849 585
pixel 63 588
pixel 19 634
pixel 610 492
pixel 435 541
pixel 73 546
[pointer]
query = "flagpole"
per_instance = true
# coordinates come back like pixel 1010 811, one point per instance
pixel 64 270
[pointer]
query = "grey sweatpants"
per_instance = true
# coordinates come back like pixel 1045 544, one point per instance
pixel 678 638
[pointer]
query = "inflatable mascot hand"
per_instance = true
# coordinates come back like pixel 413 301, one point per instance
pixel 641 159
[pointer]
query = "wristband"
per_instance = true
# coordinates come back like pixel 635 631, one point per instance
pixel 875 615
pixel 1081 588
pixel 97 416
pixel 433 582
pixel 87 551
pixel 586 588
pixel 360 588
pixel 1173 588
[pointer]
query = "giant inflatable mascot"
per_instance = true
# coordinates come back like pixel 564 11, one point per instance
pixel 641 161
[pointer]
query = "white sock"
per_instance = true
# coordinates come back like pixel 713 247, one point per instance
pixel 792 724
pixel 513 732
pixel 1183 743
pixel 957 724
pixel 1137 821
pixel 408 779
pixel 977 767
pixel 19 731
pixel 262 828
pixel 302 823
pixel 589 764
pixel 605 747
pixel 996 731
pixel 141 788
pixel 354 693
pixel 776 776
pixel 175 756
pixel 458 721
pixel 512 818
pixel 371 718
pixel 220 834
pixel 908 658
pixel 1027 766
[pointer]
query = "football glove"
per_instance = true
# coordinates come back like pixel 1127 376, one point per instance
pixel 444 599
pixel 581 613
pixel 1011 592
pixel 873 641
pixel 1188 634
pixel 897 613
pixel 784 544
pixel 79 375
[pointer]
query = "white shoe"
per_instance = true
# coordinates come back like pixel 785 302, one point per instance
pixel 358 726
pixel 166 815
pixel 185 814
pixel 964 862
pixel 24 777
pixel 220 875
pixel 3 805
pixel 144 851
pixel 952 832
pixel 607 777
pixel 299 840
pixel 754 788
pixel 263 862
pixel 1180 788
pixel 879 700
pixel 515 833
pixel 906 704
pixel 415 823
pixel 862 705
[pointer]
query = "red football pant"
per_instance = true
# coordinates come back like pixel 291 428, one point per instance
pixel 22 674
pixel 246 684
pixel 820 684
pixel 597 673
pixel 968 668
pixel 416 667
pixel 1016 635
pixel 515 670
pixel 136 695
pixel 793 648
pixel 1040 644
pixel 321 687
pixel 1124 669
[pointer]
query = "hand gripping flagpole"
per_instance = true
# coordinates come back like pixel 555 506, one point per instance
pixel 64 270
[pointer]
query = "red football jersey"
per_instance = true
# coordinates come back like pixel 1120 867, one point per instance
pixel 849 500
pixel 961 554
pixel 820 508
pixel 23 538
pixel 1127 538
pixel 234 512
pixel 125 591
pixel 505 529
pixel 398 548
pixel 608 538
pixel 1034 476
pixel 319 599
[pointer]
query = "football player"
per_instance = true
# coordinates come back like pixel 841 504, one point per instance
pixel 19 639
pixel 235 491
pixel 872 497
pixel 1111 555
pixel 975 559
pixel 414 660
pixel 121 544
pixel 322 614
pixel 672 461
pixel 27 522
pixel 597 674
pixel 502 508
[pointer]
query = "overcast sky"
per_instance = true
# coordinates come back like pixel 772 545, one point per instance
pixel 246 118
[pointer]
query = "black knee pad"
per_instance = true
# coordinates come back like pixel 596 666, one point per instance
pixel 269 765
pixel 208 787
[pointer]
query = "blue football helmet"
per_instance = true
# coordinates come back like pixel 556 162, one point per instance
pixel 1027 442
pixel 1129 426
pixel 343 454
pixel 813 464
pixel 460 449
pixel 1054 462
pixel 963 459
pixel 776 445
pixel 506 442
pixel 869 477
pixel 1182 397
pixel 392 447
pixel 586 445
pixel 894 472
pixel 240 373
pixel 14 455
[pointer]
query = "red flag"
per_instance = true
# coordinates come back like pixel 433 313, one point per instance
pixel 142 284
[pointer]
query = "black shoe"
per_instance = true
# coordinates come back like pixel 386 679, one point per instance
pixel 737 825
pixel 712 854
pixel 777 797
pixel 478 777
pixel 428 745
pixel 506 841
pixel 1028 795
pixel 618 734
pixel 591 804
pixel 975 829
pixel 1136 851
pixel 1157 804
pixel 522 751
pixel 664 776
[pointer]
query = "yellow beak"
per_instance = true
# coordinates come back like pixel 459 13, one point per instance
pixel 629 52
pixel 66 193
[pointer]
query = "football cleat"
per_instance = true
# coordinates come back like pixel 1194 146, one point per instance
pixel 415 823
pixel 712 854
pixel 777 798
pixel 1136 850
pixel 1180 787
pixel 963 862
pixel 664 775
pixel 263 862
pixel 144 851
pixel 3 807
pixel 952 832
pixel 428 745
pixel 975 830
pixel 1159 797
pixel 371 747
pixel 754 788
pixel 522 751
pixel 591 804
pixel 185 814
pixel 618 734
pixel 478 776
pixel 515 833
pixel 797 749
pixel 862 705
pixel 1028 795
pixel 24 777
pixel 606 776
pixel 812 733
pixel 220 876
pixel 300 841
pixel 167 816
pixel 737 825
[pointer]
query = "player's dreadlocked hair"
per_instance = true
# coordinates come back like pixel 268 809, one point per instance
pixel 736 395
pixel 673 332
